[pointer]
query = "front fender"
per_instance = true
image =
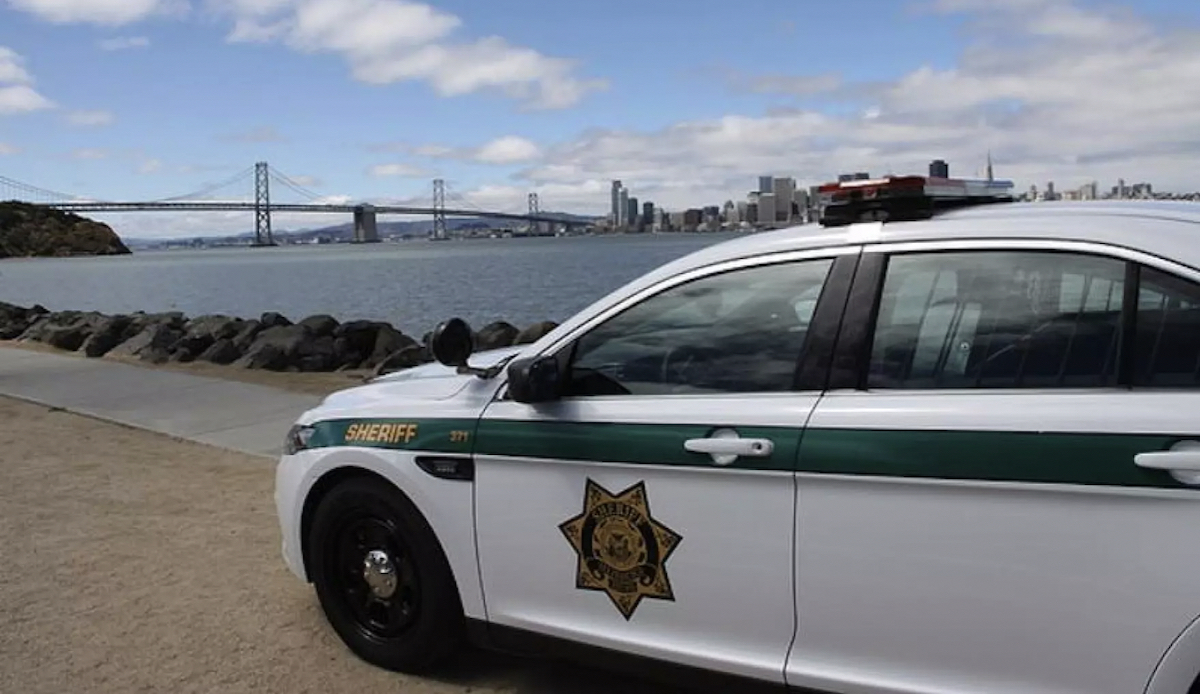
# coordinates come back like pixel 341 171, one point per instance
pixel 1180 665
pixel 447 505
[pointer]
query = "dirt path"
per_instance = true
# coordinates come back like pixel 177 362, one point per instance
pixel 130 562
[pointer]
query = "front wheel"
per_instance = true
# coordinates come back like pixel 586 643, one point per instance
pixel 382 580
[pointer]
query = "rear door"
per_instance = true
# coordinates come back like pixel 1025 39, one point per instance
pixel 985 499
pixel 650 509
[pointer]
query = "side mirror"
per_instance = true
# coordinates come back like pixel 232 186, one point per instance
pixel 533 379
pixel 452 343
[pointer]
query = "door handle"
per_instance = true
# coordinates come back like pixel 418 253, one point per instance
pixel 1186 460
pixel 1182 461
pixel 758 448
pixel 725 446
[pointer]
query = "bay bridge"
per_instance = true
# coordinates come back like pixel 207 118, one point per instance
pixel 364 214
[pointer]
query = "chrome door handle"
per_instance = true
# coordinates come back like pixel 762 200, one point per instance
pixel 725 446
pixel 759 448
pixel 1169 460
pixel 1182 461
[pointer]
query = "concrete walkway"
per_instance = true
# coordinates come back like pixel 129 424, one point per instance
pixel 238 416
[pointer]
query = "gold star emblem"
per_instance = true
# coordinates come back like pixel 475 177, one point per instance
pixel 622 550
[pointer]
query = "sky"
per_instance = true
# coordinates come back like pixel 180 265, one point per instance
pixel 686 102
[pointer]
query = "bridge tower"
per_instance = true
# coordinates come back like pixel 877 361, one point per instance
pixel 262 205
pixel 534 210
pixel 439 209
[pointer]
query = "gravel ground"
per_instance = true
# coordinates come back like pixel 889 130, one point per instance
pixel 130 562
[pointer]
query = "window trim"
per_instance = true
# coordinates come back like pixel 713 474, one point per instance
pixel 857 334
pixel 807 366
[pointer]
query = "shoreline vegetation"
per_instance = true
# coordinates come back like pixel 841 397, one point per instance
pixel 314 345
pixel 37 231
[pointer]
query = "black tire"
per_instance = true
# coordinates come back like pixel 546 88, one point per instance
pixel 420 624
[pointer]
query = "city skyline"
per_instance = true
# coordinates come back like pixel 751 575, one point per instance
pixel 373 99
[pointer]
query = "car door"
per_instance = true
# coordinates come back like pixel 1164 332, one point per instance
pixel 649 509
pixel 985 503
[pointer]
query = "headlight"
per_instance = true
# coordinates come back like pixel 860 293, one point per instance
pixel 297 439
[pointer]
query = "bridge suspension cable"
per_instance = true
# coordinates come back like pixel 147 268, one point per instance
pixel 12 189
pixel 289 183
pixel 210 188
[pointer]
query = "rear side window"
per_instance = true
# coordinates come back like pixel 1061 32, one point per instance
pixel 1167 345
pixel 998 319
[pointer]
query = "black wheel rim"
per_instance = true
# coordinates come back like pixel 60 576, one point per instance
pixel 376 615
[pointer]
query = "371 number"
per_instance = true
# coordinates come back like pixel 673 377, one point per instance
pixel 458 436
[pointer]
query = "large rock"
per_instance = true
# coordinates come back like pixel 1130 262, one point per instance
pixel 152 344
pixel 201 332
pixel 355 341
pixel 221 352
pixel 317 354
pixel 406 358
pixel 108 333
pixel 388 342
pixel 247 334
pixel 15 320
pixel 534 332
pixel 276 348
pixel 495 336
pixel 320 325
pixel 65 330
pixel 271 319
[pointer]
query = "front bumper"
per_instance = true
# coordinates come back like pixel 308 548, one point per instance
pixel 291 485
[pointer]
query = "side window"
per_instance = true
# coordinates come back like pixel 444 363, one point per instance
pixel 1167 343
pixel 998 319
pixel 737 332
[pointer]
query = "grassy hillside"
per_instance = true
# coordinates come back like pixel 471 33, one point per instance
pixel 35 231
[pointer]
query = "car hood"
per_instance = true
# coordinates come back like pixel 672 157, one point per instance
pixel 428 382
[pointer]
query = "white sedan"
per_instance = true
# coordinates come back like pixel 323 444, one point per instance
pixel 958 454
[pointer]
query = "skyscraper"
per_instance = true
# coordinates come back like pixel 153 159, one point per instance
pixel 615 207
pixel 766 184
pixel 623 208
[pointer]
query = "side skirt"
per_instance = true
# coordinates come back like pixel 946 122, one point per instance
pixel 525 643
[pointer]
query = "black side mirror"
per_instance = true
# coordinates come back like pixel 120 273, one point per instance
pixel 452 343
pixel 533 379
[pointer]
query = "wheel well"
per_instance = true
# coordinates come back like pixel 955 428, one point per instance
pixel 323 486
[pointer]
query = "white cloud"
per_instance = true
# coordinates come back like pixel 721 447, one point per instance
pixel 89 153
pixel 121 43
pixel 149 166
pixel 17 94
pixel 400 170
pixel 386 41
pixel 90 118
pixel 7 149
pixel 306 181
pixel 104 12
pixel 1055 91
pixel 508 150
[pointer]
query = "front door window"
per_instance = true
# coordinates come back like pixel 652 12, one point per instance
pixel 741 331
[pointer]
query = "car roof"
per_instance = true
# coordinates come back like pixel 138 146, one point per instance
pixel 1163 228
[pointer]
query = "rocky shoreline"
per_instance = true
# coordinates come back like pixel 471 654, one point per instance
pixel 318 343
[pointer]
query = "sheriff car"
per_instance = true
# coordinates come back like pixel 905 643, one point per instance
pixel 956 449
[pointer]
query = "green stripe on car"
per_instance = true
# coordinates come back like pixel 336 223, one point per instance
pixel 964 455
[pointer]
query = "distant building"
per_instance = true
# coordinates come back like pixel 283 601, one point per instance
pixel 801 201
pixel 692 219
pixel 647 214
pixel 938 168
pixel 631 213
pixel 623 209
pixel 729 213
pixel 767 214
pixel 615 208
pixel 785 192
pixel 766 184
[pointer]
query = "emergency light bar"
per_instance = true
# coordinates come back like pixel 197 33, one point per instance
pixel 898 198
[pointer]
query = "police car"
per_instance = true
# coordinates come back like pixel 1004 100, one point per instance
pixel 953 449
